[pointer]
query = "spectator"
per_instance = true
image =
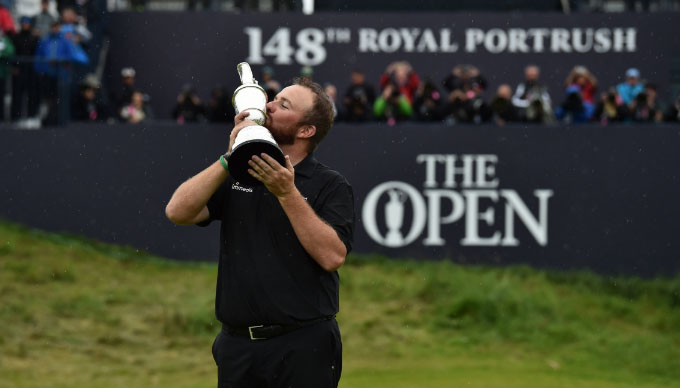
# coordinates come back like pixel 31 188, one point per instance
pixel 6 21
pixel 427 105
pixel 220 109
pixel 307 72
pixel 24 80
pixel 87 105
pixel 586 83
pixel 44 19
pixel 463 77
pixel 189 107
pixel 288 5
pixel 467 107
pixel 73 26
pixel 573 109
pixel 53 59
pixel 359 98
pixel 123 95
pixel 392 105
pixel 54 49
pixel 645 107
pixel 501 106
pixel 137 110
pixel 244 5
pixel 532 98
pixel 610 108
pixel 269 84
pixel 6 51
pixel 631 88
pixel 673 112
pixel 402 76
pixel 205 5
pixel 332 93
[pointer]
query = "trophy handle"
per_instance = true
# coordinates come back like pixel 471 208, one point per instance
pixel 245 73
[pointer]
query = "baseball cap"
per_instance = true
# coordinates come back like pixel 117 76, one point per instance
pixel 127 72
pixel 632 73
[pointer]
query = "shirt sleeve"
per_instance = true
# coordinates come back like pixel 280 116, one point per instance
pixel 216 205
pixel 336 208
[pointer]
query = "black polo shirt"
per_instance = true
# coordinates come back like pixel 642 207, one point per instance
pixel 265 276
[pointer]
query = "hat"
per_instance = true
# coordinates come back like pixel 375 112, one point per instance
pixel 90 81
pixel 632 73
pixel 26 19
pixel 580 70
pixel 306 71
pixel 127 72
pixel 268 70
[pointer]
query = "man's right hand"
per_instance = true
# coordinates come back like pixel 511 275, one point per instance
pixel 240 122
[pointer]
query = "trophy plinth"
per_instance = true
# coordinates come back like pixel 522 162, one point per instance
pixel 254 139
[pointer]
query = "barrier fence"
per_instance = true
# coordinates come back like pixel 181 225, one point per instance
pixel 589 197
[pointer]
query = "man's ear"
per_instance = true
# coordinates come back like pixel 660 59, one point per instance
pixel 306 131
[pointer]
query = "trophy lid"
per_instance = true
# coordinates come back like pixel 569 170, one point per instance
pixel 246 73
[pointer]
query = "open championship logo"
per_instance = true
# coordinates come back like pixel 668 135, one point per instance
pixel 474 202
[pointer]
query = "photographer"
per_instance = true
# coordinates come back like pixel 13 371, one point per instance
pixel 392 105
pixel 189 107
pixel 610 108
pixel 644 107
pixel 532 98
pixel 673 112
pixel 359 98
pixel 427 105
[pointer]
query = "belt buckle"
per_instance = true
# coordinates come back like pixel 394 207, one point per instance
pixel 250 331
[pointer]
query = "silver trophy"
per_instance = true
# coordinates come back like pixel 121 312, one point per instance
pixel 254 139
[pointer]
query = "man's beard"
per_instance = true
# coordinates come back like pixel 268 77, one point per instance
pixel 285 136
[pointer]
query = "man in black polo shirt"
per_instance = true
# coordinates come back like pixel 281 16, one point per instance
pixel 280 246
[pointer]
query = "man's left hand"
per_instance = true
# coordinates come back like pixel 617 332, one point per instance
pixel 278 179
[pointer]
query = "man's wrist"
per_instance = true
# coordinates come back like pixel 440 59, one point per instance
pixel 289 196
pixel 224 163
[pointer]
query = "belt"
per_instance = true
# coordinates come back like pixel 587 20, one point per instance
pixel 260 332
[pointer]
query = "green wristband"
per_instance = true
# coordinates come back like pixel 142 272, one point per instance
pixel 224 163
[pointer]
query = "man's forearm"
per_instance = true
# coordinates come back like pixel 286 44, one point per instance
pixel 188 203
pixel 317 237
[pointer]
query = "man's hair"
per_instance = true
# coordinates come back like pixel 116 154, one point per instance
pixel 321 113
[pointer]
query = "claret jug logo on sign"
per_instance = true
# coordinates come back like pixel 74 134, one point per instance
pixel 456 188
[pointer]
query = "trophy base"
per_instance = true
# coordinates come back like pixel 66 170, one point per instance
pixel 238 160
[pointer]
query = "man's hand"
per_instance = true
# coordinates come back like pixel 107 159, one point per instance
pixel 240 122
pixel 278 179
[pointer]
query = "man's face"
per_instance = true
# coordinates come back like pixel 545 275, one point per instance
pixel 531 73
pixel 286 111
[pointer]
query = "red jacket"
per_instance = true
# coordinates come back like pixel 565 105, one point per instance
pixel 6 21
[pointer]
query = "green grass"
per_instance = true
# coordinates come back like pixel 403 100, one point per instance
pixel 76 313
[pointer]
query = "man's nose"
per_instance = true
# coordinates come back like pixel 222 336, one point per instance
pixel 270 106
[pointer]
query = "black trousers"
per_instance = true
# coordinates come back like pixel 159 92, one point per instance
pixel 309 357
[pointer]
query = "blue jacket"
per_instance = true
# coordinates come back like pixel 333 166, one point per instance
pixel 628 92
pixel 56 47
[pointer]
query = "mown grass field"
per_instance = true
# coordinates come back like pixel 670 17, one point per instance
pixel 76 313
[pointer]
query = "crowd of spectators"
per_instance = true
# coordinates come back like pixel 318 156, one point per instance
pixel 460 98
pixel 47 57
pixel 46 51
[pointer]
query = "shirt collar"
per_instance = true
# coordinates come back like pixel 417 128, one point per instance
pixel 306 166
